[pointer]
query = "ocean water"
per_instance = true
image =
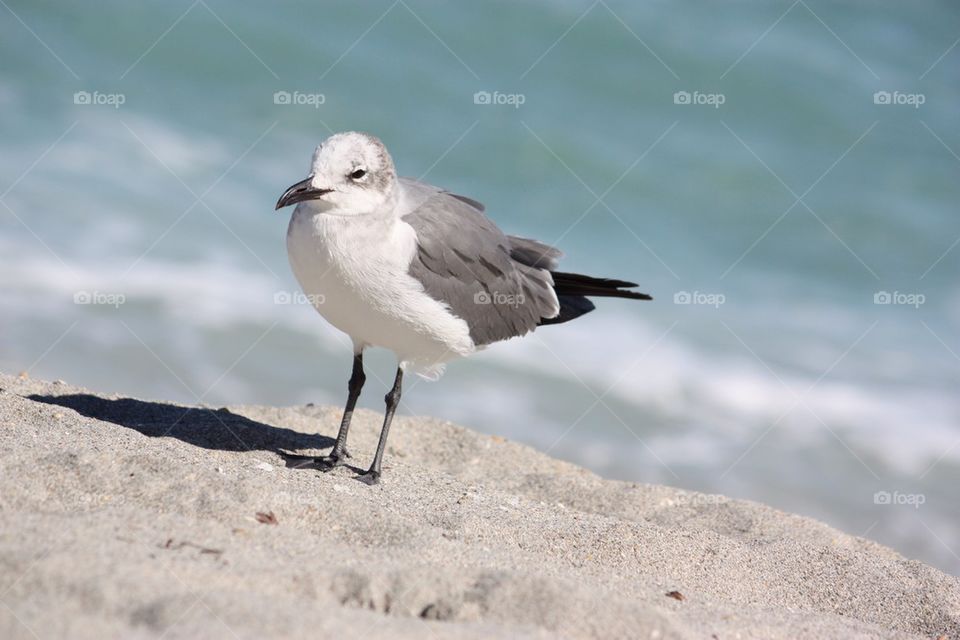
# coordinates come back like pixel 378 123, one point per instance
pixel 798 229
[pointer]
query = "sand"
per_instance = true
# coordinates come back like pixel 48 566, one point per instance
pixel 139 519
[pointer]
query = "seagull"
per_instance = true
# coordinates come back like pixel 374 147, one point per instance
pixel 413 268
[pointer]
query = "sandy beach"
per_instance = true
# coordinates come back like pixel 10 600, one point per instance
pixel 143 519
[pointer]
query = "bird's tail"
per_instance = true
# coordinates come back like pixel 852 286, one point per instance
pixel 574 290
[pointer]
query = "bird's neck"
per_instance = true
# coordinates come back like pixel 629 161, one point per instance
pixel 340 233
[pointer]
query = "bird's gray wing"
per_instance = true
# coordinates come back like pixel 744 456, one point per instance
pixel 499 285
pixel 534 253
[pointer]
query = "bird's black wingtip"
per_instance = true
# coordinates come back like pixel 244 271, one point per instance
pixel 580 285
pixel 632 295
pixel 622 290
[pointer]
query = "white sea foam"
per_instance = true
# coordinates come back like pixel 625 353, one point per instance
pixel 201 295
pixel 103 140
pixel 733 392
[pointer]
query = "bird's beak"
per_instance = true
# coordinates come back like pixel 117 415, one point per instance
pixel 299 192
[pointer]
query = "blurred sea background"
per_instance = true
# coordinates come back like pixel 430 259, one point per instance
pixel 145 144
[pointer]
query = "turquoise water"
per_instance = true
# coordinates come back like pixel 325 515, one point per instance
pixel 787 383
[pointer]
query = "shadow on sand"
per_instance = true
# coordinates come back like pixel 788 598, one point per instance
pixel 218 429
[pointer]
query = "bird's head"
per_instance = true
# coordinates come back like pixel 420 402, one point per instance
pixel 350 174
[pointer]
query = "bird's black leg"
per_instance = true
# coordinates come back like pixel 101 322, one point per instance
pixel 392 399
pixel 339 454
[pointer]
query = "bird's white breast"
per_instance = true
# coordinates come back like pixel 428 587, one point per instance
pixel 355 268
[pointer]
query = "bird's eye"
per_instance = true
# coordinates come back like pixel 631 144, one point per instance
pixel 359 173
